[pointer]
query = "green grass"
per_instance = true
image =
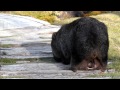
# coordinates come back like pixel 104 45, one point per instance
pixel 6 61
pixel 11 77
pixel 6 45
pixel 110 75
pixel 47 60
pixel 39 60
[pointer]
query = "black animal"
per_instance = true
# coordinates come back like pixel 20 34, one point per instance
pixel 79 13
pixel 82 43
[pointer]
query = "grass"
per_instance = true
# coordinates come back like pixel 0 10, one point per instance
pixel 12 77
pixel 6 61
pixel 49 16
pixel 110 75
pixel 47 60
pixel 65 21
pixel 38 60
pixel 6 45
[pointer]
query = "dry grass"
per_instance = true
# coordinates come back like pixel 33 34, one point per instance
pixel 49 16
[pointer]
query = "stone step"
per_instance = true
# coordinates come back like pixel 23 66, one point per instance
pixel 46 71
pixel 27 57
pixel 27 50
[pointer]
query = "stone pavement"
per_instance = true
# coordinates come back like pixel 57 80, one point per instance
pixel 45 71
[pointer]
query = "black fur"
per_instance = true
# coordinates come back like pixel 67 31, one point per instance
pixel 85 39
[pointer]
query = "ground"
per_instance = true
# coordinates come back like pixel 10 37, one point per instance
pixel 27 42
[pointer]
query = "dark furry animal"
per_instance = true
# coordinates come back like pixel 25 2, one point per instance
pixel 82 43
pixel 79 13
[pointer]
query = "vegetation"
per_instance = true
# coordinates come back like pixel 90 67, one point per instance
pixel 115 75
pixel 12 77
pixel 40 60
pixel 6 61
pixel 94 13
pixel 49 16
pixel 6 45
